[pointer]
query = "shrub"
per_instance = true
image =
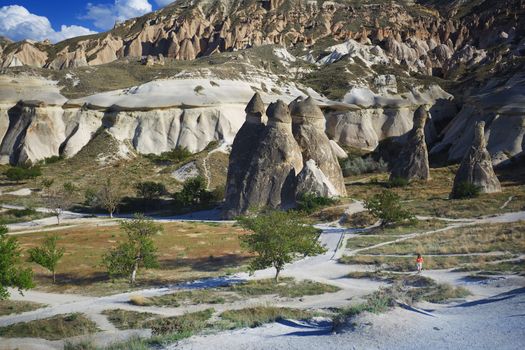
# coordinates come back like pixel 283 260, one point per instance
pixel 194 194
pixel 466 190
pixel 19 173
pixel 190 322
pixel 52 159
pixel 176 155
pixel 47 255
pixel 386 206
pixel 150 190
pixel 358 166
pixel 397 182
pixel 310 202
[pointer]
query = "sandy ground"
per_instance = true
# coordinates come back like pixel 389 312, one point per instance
pixel 496 322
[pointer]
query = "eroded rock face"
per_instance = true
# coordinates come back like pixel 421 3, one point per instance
pixel 309 131
pixel 243 149
pixel 312 180
pixel 271 177
pixel 476 167
pixel 412 163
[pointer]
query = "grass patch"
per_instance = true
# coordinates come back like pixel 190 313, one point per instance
pixel 53 328
pixel 125 319
pixel 407 227
pixel 187 323
pixel 362 219
pixel 406 264
pixel 368 240
pixel 192 297
pixel 505 267
pixel 8 307
pixel 432 198
pixel 257 316
pixel 13 216
pixel 286 287
pixel 507 237
pixel 187 251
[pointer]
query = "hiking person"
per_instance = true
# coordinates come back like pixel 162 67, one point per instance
pixel 419 263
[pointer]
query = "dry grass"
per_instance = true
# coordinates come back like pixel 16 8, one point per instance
pixel 358 220
pixel 53 328
pixel 8 307
pixel 186 251
pixel 368 240
pixel 508 237
pixel 124 319
pixel 392 263
pixel 406 228
pixel 139 300
pixel 257 316
pixel 193 297
pixel 286 287
pixel 431 198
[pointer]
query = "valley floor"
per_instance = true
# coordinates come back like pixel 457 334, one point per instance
pixel 492 317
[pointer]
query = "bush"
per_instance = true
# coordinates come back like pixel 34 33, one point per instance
pixel 194 194
pixel 358 166
pixel 52 159
pixel 397 182
pixel 19 173
pixel 150 190
pixel 466 190
pixel 386 206
pixel 310 202
pixel 176 155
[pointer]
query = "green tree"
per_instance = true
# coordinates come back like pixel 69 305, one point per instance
pixel 18 174
pixel 150 190
pixel 277 238
pixel 386 206
pixel 136 252
pixel 11 273
pixel 194 193
pixel 47 255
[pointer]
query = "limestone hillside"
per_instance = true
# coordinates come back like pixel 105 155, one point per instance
pixel 182 76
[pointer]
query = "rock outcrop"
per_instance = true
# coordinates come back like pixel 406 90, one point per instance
pixel 271 177
pixel 412 163
pixel 243 150
pixel 476 167
pixel 308 125
pixel 312 180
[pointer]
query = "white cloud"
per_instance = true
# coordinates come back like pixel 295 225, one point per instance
pixel 164 2
pixel 105 15
pixel 17 23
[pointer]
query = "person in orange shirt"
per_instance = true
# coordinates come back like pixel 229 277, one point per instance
pixel 419 263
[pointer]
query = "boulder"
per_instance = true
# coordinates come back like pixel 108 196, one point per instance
pixel 312 180
pixel 271 177
pixel 412 163
pixel 476 167
pixel 243 149
pixel 308 125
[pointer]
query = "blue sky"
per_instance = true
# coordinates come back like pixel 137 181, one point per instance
pixel 60 19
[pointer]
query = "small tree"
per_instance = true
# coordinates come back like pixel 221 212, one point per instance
pixel 109 197
pixel 11 274
pixel 277 237
pixel 150 190
pixel 386 206
pixel 137 251
pixel 47 183
pixel 47 255
pixel 194 193
pixel 59 199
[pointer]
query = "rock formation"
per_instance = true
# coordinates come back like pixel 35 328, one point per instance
pixel 412 163
pixel 271 177
pixel 243 149
pixel 476 167
pixel 308 125
pixel 312 180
